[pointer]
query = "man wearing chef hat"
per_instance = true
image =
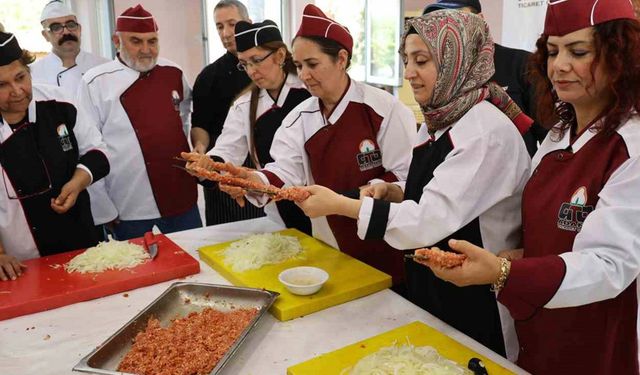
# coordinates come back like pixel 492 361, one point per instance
pixel 66 63
pixel 64 67
pixel 141 104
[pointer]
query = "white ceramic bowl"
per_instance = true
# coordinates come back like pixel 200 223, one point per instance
pixel 303 280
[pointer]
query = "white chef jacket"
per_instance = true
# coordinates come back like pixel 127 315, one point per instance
pixel 15 234
pixel 127 184
pixel 395 137
pixel 605 258
pixel 49 70
pixel 482 177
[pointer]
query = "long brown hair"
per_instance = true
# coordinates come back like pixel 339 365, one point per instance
pixel 617 45
pixel 289 68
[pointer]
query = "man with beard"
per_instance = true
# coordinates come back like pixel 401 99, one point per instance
pixel 141 104
pixel 213 92
pixel 66 63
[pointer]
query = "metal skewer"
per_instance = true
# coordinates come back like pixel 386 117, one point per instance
pixel 413 256
pixel 251 190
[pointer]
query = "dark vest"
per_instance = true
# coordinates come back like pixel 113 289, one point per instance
pixel 344 156
pixel 37 153
pixel 473 309
pixel 598 338
pixel 151 103
pixel 265 128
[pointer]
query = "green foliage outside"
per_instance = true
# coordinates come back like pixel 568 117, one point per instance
pixel 22 18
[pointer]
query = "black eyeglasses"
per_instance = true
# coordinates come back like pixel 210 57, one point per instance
pixel 254 62
pixel 24 185
pixel 21 193
pixel 58 27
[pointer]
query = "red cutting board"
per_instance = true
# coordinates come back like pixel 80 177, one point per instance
pixel 44 286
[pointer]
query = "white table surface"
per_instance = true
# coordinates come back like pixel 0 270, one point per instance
pixel 52 342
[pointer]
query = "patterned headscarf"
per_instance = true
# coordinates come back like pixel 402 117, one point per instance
pixel 462 49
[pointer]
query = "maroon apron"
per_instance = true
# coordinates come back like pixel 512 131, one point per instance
pixel 152 104
pixel 344 156
pixel 598 338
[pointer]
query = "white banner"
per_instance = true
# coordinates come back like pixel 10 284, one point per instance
pixel 522 23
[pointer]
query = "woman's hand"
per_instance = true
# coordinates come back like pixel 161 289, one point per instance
pixel 481 266
pixel 10 267
pixel 70 191
pixel 324 201
pixel 384 191
pixel 236 192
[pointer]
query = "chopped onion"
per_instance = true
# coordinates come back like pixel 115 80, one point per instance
pixel 405 360
pixel 255 251
pixel 108 256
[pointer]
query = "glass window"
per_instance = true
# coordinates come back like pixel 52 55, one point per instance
pixel 352 15
pixel 376 27
pixel 22 18
pixel 384 28
pixel 259 10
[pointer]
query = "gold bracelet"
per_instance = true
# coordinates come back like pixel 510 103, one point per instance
pixel 505 268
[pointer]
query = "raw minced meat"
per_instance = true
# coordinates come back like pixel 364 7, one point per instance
pixel 188 346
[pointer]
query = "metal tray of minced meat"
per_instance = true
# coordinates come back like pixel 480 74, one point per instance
pixel 176 302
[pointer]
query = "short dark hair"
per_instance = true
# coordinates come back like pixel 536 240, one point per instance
pixel 327 46
pixel 242 9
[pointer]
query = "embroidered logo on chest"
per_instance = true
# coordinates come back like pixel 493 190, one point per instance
pixel 369 157
pixel 573 213
pixel 63 138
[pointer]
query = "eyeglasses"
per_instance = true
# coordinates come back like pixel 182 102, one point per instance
pixel 37 181
pixel 33 191
pixel 243 66
pixel 57 28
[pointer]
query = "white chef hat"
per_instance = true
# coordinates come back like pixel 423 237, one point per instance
pixel 55 9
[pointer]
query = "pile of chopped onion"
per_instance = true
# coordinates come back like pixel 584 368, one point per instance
pixel 404 360
pixel 108 255
pixel 255 251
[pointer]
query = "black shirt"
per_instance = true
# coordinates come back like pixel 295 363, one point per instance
pixel 511 74
pixel 213 92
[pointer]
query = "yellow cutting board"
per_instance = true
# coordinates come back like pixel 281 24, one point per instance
pixel 348 277
pixel 418 334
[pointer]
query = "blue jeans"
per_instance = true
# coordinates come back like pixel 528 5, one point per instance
pixel 128 229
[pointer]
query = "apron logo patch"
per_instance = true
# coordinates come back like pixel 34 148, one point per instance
pixel 63 137
pixel 573 213
pixel 369 157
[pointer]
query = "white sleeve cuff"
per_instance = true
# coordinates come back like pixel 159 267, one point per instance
pixel 84 167
pixel 364 216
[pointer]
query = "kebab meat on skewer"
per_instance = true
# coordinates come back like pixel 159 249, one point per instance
pixel 203 166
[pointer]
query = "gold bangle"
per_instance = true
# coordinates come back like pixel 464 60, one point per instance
pixel 505 268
